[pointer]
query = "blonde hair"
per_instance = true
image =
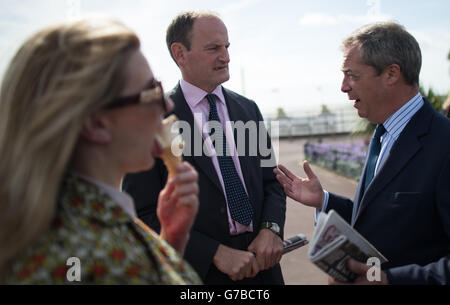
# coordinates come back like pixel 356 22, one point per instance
pixel 57 79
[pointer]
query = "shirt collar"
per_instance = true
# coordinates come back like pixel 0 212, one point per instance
pixel 404 114
pixel 195 95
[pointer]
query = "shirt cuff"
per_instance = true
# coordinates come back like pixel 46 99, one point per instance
pixel 324 205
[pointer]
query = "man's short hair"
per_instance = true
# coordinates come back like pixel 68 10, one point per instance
pixel 180 29
pixel 386 43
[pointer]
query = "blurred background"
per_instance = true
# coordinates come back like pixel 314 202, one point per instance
pixel 286 56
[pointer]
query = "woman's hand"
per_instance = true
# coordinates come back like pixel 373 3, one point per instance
pixel 178 205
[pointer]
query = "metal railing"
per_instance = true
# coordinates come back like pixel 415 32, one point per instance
pixel 335 122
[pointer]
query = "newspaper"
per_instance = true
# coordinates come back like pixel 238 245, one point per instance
pixel 334 241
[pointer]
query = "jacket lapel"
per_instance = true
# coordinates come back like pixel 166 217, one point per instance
pixel 184 113
pixel 404 149
pixel 358 194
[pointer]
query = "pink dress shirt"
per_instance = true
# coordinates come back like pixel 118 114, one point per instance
pixel 195 97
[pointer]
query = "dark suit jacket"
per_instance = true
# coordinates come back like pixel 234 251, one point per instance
pixel 405 212
pixel 211 226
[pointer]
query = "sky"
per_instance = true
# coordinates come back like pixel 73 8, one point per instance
pixel 284 53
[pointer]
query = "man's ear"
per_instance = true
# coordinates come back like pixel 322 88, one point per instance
pixel 393 73
pixel 95 129
pixel 179 53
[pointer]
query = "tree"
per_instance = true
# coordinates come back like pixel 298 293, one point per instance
pixel 324 109
pixel 446 106
pixel 281 114
pixel 364 127
pixel 437 101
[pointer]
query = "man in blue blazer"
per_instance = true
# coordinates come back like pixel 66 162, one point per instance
pixel 221 249
pixel 402 204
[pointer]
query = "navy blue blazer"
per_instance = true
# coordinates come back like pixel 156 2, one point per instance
pixel 405 212
pixel 211 226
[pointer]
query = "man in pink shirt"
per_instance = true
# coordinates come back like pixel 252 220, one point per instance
pixel 237 236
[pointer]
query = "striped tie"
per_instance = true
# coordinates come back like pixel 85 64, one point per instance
pixel 239 204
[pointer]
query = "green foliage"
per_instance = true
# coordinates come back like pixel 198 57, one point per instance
pixel 281 114
pixel 437 101
pixel 364 127
pixel 324 109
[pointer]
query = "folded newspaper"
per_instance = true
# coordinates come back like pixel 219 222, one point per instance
pixel 334 241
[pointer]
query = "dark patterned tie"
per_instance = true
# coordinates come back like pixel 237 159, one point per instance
pixel 238 202
pixel 374 151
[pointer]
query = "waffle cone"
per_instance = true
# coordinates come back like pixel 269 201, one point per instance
pixel 170 161
pixel 167 136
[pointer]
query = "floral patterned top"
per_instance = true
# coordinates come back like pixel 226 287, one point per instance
pixel 92 233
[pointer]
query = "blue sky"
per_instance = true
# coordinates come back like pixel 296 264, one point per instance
pixel 284 53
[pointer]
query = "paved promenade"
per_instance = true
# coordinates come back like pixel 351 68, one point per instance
pixel 297 269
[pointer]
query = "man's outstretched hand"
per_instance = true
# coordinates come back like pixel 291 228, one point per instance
pixel 308 191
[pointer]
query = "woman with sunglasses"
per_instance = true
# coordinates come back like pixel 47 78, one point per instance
pixel 79 109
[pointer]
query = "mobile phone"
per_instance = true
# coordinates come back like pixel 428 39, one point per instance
pixel 294 242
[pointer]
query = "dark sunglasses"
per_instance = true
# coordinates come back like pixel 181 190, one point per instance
pixel 152 93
